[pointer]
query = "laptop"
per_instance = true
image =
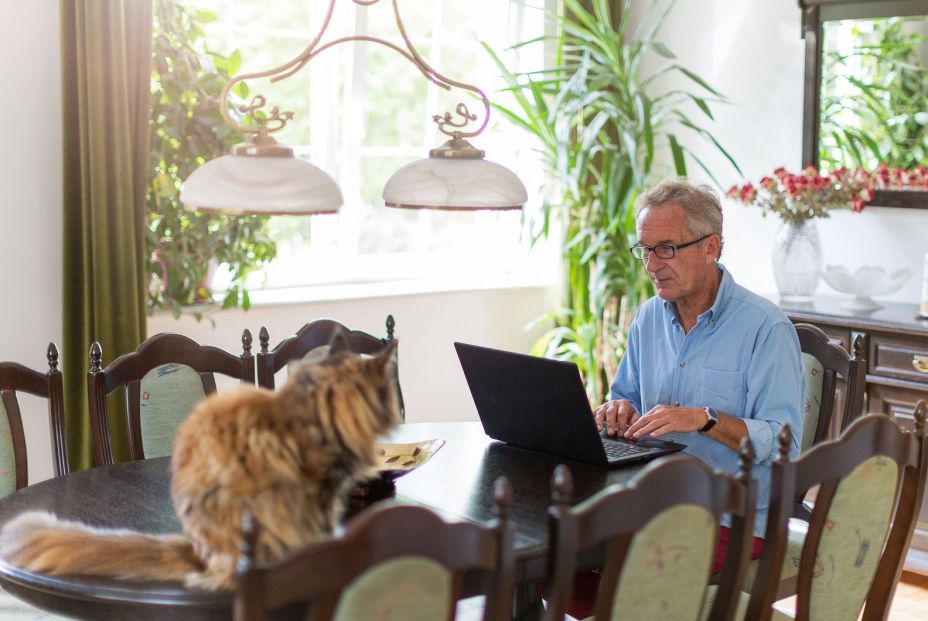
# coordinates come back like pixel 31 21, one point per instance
pixel 540 404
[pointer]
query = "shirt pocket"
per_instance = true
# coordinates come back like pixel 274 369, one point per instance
pixel 722 390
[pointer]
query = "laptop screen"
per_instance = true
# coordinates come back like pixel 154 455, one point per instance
pixel 532 402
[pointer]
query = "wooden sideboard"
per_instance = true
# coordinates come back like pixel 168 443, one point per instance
pixel 896 349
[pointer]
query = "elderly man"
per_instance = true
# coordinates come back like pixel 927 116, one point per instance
pixel 708 362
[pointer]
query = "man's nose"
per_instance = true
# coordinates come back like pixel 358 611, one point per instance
pixel 652 262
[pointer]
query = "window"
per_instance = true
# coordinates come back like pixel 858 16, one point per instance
pixel 362 111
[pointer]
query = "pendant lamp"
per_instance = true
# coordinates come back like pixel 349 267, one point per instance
pixel 263 177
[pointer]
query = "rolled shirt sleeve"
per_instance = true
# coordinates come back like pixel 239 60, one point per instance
pixel 774 388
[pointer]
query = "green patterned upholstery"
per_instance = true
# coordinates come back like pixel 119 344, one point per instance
pixel 815 375
pixel 410 588
pixel 7 458
pixel 853 540
pixel 796 537
pixel 855 531
pixel 667 568
pixel 741 607
pixel 168 393
pixel 314 355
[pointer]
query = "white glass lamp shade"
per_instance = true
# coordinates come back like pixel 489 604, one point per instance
pixel 454 184
pixel 260 185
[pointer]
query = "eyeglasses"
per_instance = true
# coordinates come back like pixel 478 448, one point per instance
pixel 663 251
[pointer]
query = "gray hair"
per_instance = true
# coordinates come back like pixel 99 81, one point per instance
pixel 699 202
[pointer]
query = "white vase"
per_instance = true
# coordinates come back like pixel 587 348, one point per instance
pixel 797 261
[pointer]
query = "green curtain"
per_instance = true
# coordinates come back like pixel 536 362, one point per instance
pixel 106 68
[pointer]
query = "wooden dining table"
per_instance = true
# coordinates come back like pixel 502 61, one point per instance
pixel 457 482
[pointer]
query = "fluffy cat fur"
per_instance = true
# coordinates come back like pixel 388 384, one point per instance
pixel 289 457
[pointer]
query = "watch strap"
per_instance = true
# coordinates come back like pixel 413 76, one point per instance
pixel 712 418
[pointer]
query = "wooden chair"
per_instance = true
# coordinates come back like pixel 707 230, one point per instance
pixel 824 362
pixel 658 535
pixel 308 341
pixel 871 483
pixel 163 378
pixel 15 378
pixel 394 562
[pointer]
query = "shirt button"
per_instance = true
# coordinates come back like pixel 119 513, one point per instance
pixel 682 364
pixel 676 404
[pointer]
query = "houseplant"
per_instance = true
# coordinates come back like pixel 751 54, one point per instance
pixel 186 130
pixel 601 123
pixel 798 200
pixel 873 94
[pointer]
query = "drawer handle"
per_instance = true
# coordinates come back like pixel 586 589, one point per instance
pixel 920 363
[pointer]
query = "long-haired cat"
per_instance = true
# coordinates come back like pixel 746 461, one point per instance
pixel 289 457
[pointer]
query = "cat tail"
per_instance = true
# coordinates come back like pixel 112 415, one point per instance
pixel 42 543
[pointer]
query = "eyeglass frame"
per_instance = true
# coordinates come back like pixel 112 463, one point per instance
pixel 673 249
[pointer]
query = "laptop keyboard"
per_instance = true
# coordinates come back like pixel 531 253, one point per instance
pixel 616 449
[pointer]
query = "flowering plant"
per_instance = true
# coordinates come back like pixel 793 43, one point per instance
pixel 796 198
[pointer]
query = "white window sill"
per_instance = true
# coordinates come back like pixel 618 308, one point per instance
pixel 395 288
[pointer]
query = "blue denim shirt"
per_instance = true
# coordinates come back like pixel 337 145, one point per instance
pixel 742 358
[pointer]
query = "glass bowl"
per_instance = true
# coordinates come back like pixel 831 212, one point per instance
pixel 866 281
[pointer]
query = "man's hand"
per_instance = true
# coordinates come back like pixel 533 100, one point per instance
pixel 663 419
pixel 616 416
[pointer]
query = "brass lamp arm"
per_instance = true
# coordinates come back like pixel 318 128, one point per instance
pixel 279 119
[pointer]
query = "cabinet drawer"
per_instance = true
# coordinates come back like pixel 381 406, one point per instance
pixel 893 357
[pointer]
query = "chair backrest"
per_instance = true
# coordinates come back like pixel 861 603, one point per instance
pixel 658 535
pixel 311 340
pixel 824 363
pixel 393 562
pixel 14 378
pixel 871 482
pixel 163 378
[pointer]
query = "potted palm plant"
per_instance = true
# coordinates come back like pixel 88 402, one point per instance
pixel 601 123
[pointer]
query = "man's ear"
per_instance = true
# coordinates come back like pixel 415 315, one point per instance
pixel 713 245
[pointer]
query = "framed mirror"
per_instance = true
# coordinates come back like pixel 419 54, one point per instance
pixel 866 88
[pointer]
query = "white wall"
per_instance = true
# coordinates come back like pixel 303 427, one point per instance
pixel 30 212
pixel 426 326
pixel 752 52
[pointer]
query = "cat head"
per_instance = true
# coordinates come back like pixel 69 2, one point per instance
pixel 365 385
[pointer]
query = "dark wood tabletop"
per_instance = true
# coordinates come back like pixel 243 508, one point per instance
pixel 456 482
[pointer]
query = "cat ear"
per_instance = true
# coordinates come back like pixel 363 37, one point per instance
pixel 388 353
pixel 339 341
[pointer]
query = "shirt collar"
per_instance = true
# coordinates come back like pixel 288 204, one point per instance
pixel 722 296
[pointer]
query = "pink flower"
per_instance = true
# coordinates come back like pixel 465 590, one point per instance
pixel 733 192
pixel 858 205
pixel 779 172
pixel 748 193
pixel 768 183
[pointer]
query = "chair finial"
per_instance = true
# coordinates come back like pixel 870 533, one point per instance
pixel 264 338
pixel 391 324
pixel 246 342
pixel 51 354
pixel 502 498
pixel 859 347
pixel 96 356
pixel 785 439
pixel 746 455
pixel 920 414
pixel 562 485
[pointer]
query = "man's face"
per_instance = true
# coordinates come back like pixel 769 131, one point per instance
pixel 692 267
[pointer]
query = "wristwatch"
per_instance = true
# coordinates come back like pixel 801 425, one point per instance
pixel 713 418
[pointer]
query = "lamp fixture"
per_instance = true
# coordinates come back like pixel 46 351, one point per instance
pixel 261 176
